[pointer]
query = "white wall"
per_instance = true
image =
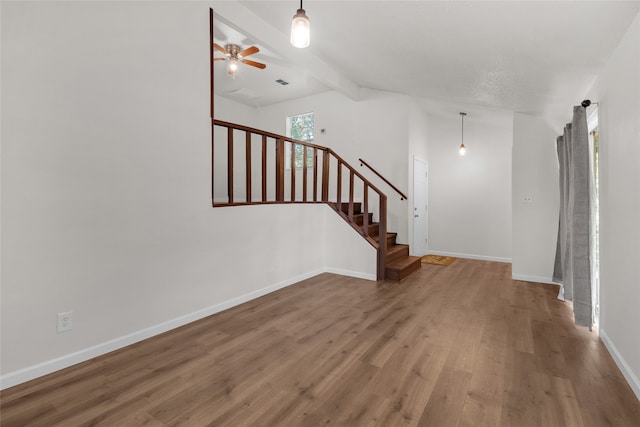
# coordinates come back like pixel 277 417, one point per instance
pixel 382 136
pixel 234 112
pixel 470 196
pixel 535 174
pixel 106 186
pixel 374 129
pixel 418 135
pixel 360 260
pixel 618 91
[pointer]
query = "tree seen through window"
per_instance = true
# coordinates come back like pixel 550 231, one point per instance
pixel 301 127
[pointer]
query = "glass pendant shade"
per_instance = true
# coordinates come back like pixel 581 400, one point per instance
pixel 462 150
pixel 233 66
pixel 300 29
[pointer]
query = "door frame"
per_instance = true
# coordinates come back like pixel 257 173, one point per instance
pixel 426 212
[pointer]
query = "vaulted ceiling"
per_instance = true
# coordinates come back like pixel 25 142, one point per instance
pixel 525 56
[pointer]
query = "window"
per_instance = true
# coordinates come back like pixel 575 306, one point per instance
pixel 299 127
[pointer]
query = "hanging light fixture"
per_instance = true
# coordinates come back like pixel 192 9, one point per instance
pixel 462 150
pixel 300 29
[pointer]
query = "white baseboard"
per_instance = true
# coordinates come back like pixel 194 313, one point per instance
pixel 631 378
pixel 350 273
pixel 26 374
pixel 470 256
pixel 536 279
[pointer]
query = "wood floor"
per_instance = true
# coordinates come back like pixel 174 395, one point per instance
pixel 462 345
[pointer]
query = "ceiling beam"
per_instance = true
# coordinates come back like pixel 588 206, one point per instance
pixel 245 21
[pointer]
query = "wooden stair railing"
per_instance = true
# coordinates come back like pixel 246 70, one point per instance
pixel 402 195
pixel 325 177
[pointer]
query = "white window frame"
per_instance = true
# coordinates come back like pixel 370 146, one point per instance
pixel 287 151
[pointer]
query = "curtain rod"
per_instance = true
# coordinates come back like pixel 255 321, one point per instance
pixel 588 102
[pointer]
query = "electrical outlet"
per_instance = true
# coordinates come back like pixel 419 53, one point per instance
pixel 65 321
pixel 527 199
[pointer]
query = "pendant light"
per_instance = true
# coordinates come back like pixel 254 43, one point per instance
pixel 462 150
pixel 300 29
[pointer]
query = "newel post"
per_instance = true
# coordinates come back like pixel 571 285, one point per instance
pixel 382 237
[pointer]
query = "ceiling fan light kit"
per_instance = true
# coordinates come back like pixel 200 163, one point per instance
pixel 233 66
pixel 234 54
pixel 300 29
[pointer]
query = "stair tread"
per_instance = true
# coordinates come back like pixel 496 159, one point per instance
pixel 399 264
pixel 404 262
pixel 402 268
pixel 344 206
pixel 396 248
pixel 389 234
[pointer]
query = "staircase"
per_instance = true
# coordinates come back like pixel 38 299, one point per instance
pixel 324 177
pixel 398 264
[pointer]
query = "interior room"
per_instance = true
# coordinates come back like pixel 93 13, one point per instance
pixel 143 283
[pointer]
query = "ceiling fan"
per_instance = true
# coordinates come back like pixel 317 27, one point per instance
pixel 233 53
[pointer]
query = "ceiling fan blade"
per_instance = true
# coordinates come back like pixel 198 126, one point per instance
pixel 249 51
pixel 219 59
pixel 254 64
pixel 220 48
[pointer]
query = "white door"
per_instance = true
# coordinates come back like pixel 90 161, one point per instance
pixel 420 206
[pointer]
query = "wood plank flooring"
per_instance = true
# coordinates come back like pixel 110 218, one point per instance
pixel 462 345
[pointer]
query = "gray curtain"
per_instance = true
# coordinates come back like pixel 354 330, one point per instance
pixel 572 268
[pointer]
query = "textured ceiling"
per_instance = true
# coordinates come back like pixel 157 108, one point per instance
pixel 521 56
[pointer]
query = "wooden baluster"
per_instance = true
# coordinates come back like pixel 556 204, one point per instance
pixel 293 172
pixel 213 160
pixel 382 237
pixel 325 176
pixel 264 168
pixel 315 174
pixel 230 164
pixel 339 190
pixel 351 196
pixel 365 209
pixel 248 165
pixel 280 170
pixel 211 95
pixel 304 173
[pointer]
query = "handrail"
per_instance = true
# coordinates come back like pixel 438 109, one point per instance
pixel 402 195
pixel 265 133
pixel 272 149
